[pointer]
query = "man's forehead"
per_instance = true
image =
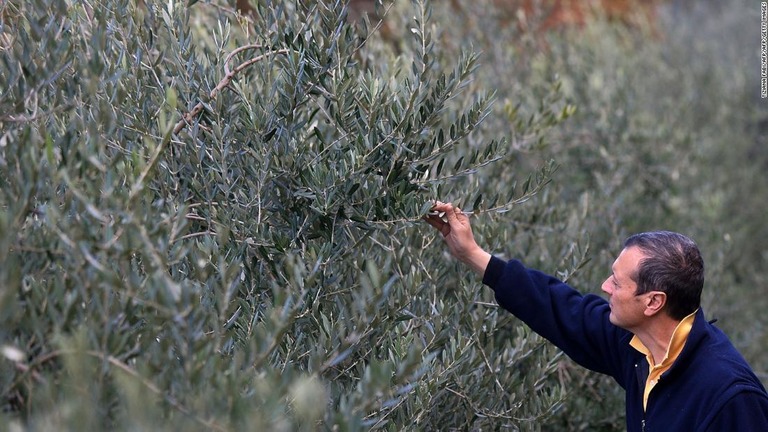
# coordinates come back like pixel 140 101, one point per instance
pixel 628 257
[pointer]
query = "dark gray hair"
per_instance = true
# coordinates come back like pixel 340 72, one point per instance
pixel 673 265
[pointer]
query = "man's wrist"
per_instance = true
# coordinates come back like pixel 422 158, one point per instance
pixel 478 260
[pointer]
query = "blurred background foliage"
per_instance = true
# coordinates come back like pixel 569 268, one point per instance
pixel 210 211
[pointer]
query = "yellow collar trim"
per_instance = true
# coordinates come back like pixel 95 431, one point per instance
pixel 675 347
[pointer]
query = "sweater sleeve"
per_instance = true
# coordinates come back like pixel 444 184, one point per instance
pixel 578 324
pixel 745 412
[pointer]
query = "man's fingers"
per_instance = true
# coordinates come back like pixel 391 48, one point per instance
pixel 445 217
pixel 442 207
pixel 456 216
pixel 435 221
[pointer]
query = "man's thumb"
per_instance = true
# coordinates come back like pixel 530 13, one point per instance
pixel 453 216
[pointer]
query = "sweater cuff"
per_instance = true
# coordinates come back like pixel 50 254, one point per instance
pixel 493 271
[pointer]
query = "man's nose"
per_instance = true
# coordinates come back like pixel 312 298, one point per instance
pixel 605 287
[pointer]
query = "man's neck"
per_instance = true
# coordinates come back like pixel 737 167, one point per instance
pixel 656 336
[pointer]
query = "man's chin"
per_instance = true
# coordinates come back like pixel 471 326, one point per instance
pixel 615 322
pixel 612 319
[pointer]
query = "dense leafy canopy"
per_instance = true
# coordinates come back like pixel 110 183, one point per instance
pixel 212 222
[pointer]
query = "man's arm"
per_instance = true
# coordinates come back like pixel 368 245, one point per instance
pixel 577 324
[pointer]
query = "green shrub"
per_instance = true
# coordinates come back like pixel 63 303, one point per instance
pixel 214 223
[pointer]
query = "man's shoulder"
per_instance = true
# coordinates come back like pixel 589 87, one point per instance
pixel 716 363
pixel 742 406
pixel 714 379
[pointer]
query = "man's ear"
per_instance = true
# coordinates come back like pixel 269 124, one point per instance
pixel 655 302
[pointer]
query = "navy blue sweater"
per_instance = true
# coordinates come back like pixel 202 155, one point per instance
pixel 709 388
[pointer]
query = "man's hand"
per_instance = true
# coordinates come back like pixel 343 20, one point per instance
pixel 457 233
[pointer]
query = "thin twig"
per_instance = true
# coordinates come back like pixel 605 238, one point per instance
pixel 235 52
pixel 230 75
pixel 35 116
pixel 375 28
pixel 197 234
pixel 190 116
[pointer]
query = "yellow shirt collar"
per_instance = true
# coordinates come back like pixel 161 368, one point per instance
pixel 675 347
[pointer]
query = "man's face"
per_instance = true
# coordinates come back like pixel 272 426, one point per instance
pixel 626 308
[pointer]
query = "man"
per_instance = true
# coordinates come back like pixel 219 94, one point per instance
pixel 680 372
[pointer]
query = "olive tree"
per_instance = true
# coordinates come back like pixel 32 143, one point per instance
pixel 212 221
